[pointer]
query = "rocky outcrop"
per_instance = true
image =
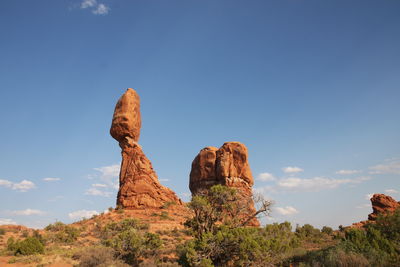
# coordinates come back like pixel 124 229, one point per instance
pixel 139 187
pixel 227 166
pixel 382 204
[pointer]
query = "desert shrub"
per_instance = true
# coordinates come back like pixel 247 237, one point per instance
pixel 25 233
pixel 333 256
pixel 110 209
pixel 327 230
pixel 377 244
pixel 167 204
pixel 2 231
pixel 62 233
pixel 113 228
pixel 220 237
pixel 129 241
pixel 165 216
pixel 98 256
pixel 28 246
pixel 308 233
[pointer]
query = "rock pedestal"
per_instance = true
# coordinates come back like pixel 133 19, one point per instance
pixel 139 187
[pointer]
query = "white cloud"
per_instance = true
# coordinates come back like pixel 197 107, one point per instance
pixel 108 175
pixel 347 172
pixel 316 183
pixel 22 186
pixel 164 180
pixel 265 177
pixel 97 9
pixel 99 185
pixel 363 206
pixel 5 183
pixel 110 171
pixel 51 179
pixel 96 192
pixel 79 214
pixel 6 221
pixel 292 170
pixel 88 3
pixel 27 212
pixel 391 191
pixel 391 166
pixel 288 210
pixel 101 9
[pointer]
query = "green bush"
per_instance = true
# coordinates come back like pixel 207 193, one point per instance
pixel 62 233
pixel 327 230
pixel 28 246
pixel 2 231
pixel 129 241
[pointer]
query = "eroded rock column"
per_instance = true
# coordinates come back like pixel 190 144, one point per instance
pixel 139 187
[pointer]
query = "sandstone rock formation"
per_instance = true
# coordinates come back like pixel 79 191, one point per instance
pixel 227 166
pixel 382 204
pixel 139 187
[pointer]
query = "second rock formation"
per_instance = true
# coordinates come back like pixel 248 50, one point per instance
pixel 226 166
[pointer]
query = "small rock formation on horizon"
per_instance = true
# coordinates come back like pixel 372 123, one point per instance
pixel 381 204
pixel 139 187
pixel 226 166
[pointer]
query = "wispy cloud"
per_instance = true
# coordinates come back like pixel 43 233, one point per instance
pixel 96 192
pixel 164 180
pixel 109 175
pixel 27 212
pixel 88 3
pixel 285 211
pixel 266 177
pixel 391 166
pixel 292 170
pixel 6 221
pixel 22 186
pixel 363 206
pixel 391 191
pixel 316 183
pixel 99 185
pixel 96 8
pixel 347 172
pixel 51 179
pixel 80 214
pixel 101 9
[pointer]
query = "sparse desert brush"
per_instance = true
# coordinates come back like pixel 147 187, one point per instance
pixel 130 241
pixel 98 256
pixel 2 231
pixel 62 233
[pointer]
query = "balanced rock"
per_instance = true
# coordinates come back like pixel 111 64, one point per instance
pixel 139 187
pixel 382 204
pixel 226 166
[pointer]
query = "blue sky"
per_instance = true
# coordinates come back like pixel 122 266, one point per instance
pixel 310 85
